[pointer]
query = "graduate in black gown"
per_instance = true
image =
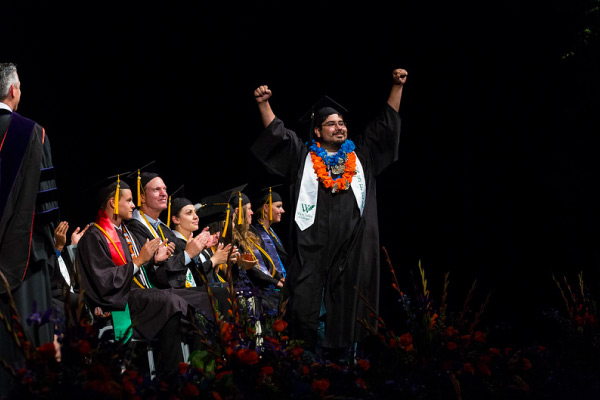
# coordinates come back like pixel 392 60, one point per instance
pixel 268 211
pixel 335 238
pixel 116 282
pixel 184 222
pixel 170 273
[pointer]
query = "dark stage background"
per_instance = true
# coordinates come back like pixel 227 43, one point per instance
pixel 497 175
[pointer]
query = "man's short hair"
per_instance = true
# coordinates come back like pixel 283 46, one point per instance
pixel 8 77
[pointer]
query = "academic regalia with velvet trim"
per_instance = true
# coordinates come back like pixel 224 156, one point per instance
pixel 28 216
pixel 341 249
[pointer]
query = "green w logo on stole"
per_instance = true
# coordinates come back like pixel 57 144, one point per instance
pixel 307 207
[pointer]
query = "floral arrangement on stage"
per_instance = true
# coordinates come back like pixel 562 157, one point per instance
pixel 437 352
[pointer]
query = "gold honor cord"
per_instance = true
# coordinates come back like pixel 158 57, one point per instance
pixel 113 243
pixel 152 229
pixel 265 254
pixel 220 266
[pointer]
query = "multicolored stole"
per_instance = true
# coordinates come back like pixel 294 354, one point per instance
pixel 121 319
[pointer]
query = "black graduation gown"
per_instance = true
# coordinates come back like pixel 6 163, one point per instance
pixel 112 288
pixel 341 249
pixel 170 274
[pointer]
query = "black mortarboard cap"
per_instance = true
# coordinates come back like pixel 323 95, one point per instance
pixel 104 189
pixel 264 196
pixel 219 207
pixel 142 178
pixel 178 203
pixel 319 111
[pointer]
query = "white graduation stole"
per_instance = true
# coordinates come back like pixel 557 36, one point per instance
pixel 306 208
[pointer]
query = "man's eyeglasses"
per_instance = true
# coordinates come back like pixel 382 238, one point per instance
pixel 334 123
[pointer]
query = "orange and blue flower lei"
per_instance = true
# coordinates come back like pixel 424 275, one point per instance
pixel 322 163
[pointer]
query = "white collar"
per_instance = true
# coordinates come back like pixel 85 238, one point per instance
pixel 5 106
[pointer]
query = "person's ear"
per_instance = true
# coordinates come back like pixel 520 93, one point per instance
pixel 317 132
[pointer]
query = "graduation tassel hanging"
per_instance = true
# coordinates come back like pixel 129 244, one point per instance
pixel 240 208
pixel 116 211
pixel 169 214
pixel 139 185
pixel 226 222
pixel 270 205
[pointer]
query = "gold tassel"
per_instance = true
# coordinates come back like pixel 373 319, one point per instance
pixel 116 211
pixel 226 222
pixel 240 208
pixel 270 205
pixel 169 214
pixel 139 185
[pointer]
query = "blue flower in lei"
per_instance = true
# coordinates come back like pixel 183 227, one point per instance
pixel 340 156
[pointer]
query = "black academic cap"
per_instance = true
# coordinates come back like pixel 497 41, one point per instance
pixel 264 196
pixel 178 203
pixel 106 187
pixel 218 207
pixel 319 111
pixel 141 179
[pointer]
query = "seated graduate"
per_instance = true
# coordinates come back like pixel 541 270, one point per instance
pixel 171 273
pixel 257 270
pixel 113 278
pixel 184 223
pixel 268 210
pixel 219 215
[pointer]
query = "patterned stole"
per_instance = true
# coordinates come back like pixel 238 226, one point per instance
pixel 141 278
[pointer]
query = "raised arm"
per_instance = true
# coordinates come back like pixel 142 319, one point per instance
pixel 399 78
pixel 262 95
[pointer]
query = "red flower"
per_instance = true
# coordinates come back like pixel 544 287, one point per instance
pixel 451 346
pixel 267 370
pixel 47 351
pixel 361 383
pixel 495 351
pixel 183 368
pixel 190 390
pixel 468 367
pixel 222 374
pixel 216 395
pixel 484 369
pixel 279 325
pixel 320 386
pixel 527 364
pixel 450 331
pixel 227 331
pixel 296 352
pixel 305 370
pixel 364 364
pixel 247 356
pixel 405 341
pixel 334 366
pixel 479 337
